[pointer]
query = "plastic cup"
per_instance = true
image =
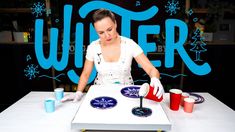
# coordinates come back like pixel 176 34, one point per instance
pixel 147 92
pixel 175 99
pixel 188 105
pixel 59 93
pixel 49 105
pixel 183 96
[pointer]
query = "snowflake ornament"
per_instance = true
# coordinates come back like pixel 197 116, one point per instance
pixel 172 7
pixel 38 8
pixel 31 71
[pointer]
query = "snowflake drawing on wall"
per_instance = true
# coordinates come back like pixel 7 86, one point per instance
pixel 31 71
pixel 172 7
pixel 38 8
pixel 198 44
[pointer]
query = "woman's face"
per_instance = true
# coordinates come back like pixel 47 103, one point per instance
pixel 106 30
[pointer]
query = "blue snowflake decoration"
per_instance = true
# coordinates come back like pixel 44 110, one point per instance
pixel 172 7
pixel 38 8
pixel 31 71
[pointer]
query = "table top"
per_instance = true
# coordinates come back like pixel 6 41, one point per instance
pixel 119 117
pixel 28 115
pixel 210 116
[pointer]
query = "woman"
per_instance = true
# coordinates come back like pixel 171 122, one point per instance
pixel 112 56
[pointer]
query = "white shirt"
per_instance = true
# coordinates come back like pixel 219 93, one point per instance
pixel 114 72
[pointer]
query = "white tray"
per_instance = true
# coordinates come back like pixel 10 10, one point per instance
pixel 119 117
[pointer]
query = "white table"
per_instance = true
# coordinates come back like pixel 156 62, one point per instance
pixel 209 116
pixel 28 115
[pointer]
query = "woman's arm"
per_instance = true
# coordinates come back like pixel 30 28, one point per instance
pixel 147 66
pixel 86 72
pixel 153 74
pixel 81 83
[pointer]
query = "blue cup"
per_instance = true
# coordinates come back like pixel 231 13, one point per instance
pixel 49 105
pixel 59 93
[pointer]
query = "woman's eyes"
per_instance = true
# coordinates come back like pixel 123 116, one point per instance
pixel 109 30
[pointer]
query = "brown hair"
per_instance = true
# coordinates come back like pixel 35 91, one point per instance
pixel 102 13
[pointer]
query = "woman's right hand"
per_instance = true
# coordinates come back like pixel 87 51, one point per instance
pixel 73 97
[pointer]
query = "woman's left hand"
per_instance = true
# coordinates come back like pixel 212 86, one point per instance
pixel 158 88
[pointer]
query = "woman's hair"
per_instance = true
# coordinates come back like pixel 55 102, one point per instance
pixel 102 13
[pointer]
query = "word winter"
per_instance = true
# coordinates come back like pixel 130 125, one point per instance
pixel 171 45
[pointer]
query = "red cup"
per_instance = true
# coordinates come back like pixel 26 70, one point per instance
pixel 175 99
pixel 184 95
pixel 147 92
pixel 188 105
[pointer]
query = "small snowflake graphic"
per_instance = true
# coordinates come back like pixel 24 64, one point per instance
pixel 38 8
pixel 104 103
pixel 132 92
pixel 31 71
pixel 172 7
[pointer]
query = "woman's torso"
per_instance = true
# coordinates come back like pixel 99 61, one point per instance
pixel 117 72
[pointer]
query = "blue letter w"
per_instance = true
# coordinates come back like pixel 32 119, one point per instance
pixel 52 59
